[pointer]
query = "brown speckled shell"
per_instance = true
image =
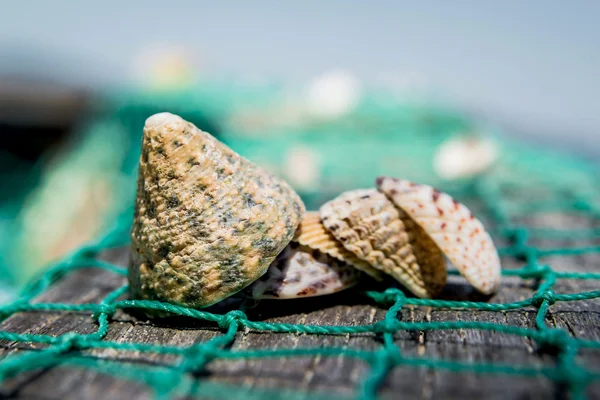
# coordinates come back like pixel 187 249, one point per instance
pixel 207 221
pixel 453 228
pixel 311 233
pixel 368 225
pixel 299 271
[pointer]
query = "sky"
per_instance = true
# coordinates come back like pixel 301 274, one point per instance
pixel 532 65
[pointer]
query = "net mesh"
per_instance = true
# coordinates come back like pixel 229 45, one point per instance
pixel 528 182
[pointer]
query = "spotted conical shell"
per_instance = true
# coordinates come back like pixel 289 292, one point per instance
pixel 300 271
pixel 367 224
pixel 452 226
pixel 311 233
pixel 207 221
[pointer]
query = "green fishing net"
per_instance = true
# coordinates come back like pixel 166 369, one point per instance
pixel 383 135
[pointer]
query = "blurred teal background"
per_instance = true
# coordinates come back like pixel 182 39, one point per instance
pixel 326 94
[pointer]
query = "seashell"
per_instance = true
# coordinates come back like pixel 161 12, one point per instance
pixel 207 222
pixel 465 156
pixel 428 256
pixel 368 224
pixel 299 271
pixel 461 237
pixel 311 233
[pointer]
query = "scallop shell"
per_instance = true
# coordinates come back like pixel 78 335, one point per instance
pixel 366 223
pixel 311 233
pixel 207 221
pixel 452 226
pixel 428 256
pixel 299 271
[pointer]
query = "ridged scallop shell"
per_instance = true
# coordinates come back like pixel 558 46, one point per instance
pixel 207 221
pixel 366 223
pixel 428 256
pixel 311 233
pixel 299 271
pixel 452 226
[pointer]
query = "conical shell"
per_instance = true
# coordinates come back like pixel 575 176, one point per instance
pixel 299 271
pixel 452 226
pixel 207 221
pixel 366 223
pixel 311 233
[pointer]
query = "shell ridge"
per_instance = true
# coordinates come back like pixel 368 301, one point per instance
pixel 386 246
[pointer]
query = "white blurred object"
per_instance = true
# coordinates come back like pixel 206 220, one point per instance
pixel 333 94
pixel 302 167
pixel 167 66
pixel 465 156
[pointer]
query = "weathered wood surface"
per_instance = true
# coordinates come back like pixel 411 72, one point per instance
pixel 339 374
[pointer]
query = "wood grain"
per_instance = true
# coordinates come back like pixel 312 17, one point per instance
pixel 340 375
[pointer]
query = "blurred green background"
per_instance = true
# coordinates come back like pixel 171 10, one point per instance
pixel 325 95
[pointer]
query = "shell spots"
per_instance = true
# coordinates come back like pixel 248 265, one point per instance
pixel 193 161
pixel 455 203
pixel 248 200
pixel 150 211
pixel 163 250
pixel 232 272
pixel 173 202
pixel 267 244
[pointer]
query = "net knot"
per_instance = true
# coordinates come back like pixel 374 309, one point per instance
pixel 389 325
pixel 231 317
pixel 392 295
pixel 106 309
pixel 546 295
pixel 74 340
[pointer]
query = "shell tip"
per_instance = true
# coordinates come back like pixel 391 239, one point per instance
pixel 160 119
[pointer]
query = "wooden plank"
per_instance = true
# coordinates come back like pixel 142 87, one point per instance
pixel 341 375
